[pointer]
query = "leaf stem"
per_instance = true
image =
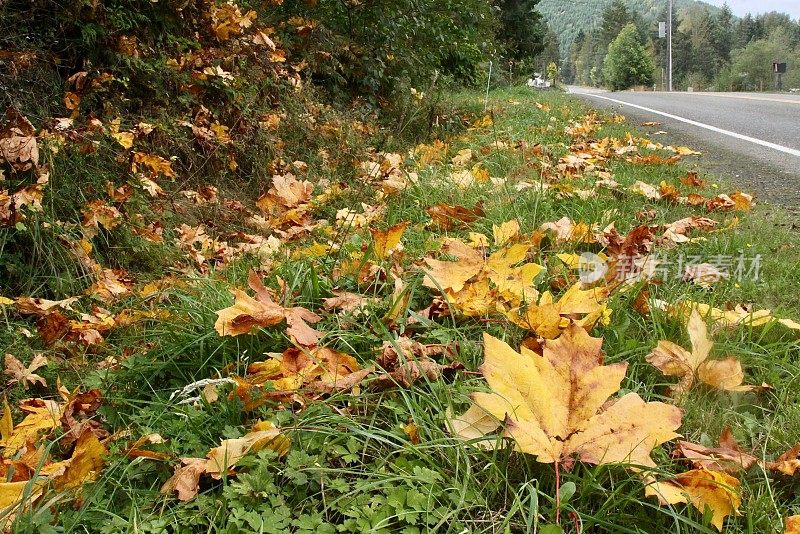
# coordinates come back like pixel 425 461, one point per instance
pixel 558 495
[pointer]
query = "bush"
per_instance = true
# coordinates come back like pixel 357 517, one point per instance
pixel 627 63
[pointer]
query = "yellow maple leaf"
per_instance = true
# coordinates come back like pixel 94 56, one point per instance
pixel 792 525
pixel 548 318
pixel 466 281
pixel 555 406
pixel 156 164
pixel 700 488
pixel 453 275
pixel 505 232
pixel 387 241
pixel 85 464
pixel 125 139
pixel 42 417
pixel 731 318
pixel 674 360
pixel 230 451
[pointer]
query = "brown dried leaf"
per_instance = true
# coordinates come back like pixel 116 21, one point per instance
pixel 25 375
pixel 728 457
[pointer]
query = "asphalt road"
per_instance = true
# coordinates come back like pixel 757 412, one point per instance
pixel 753 139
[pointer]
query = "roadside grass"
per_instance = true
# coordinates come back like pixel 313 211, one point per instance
pixel 353 466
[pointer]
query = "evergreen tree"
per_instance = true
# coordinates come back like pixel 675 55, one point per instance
pixel 615 17
pixel 723 36
pixel 700 29
pixel 522 29
pixel 628 62
pixel 551 52
pixel 746 30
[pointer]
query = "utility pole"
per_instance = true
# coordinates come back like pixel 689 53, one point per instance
pixel 669 47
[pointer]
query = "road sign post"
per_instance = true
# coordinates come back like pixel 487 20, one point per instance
pixel 779 69
pixel 669 47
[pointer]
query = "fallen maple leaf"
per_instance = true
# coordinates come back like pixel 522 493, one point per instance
pixel 505 232
pixel 287 192
pixel 221 460
pixel 728 457
pixel 787 463
pixel 39 307
pixel 674 360
pixel 405 361
pixel 704 274
pixel 693 180
pixel 322 370
pixel 466 282
pixel 555 405
pixel 700 488
pixel 566 231
pixel 248 312
pixel 462 158
pixel 447 217
pixel 18 141
pixel 137 450
pixel 646 190
pixel 548 318
pixel 387 241
pixel 453 275
pixel 347 302
pixel 792 525
pixel 733 316
pixel 25 375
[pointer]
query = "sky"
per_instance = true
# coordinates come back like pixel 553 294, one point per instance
pixel 742 7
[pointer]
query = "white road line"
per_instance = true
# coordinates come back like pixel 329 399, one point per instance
pixel 774 146
pixel 747 97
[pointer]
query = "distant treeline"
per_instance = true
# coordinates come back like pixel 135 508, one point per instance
pixel 712 49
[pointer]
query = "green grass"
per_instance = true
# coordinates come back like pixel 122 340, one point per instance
pixel 352 467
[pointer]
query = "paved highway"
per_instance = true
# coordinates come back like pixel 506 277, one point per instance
pixel 758 131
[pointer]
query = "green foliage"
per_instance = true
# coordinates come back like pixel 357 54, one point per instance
pixel 751 66
pixel 372 48
pixel 568 19
pixel 627 63
pixel 521 28
pixel 705 39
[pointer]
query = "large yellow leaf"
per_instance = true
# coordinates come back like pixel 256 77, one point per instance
pixel 700 488
pixel 792 525
pixel 555 406
pixel 85 464
pixel 42 417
